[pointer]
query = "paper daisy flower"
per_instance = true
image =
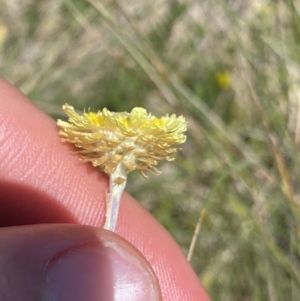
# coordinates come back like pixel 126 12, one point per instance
pixel 118 143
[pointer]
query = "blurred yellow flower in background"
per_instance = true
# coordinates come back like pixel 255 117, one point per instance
pixel 223 79
pixel 3 33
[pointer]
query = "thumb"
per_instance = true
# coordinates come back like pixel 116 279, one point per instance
pixel 72 263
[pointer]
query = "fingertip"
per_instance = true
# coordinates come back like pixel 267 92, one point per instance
pixel 69 262
pixel 33 156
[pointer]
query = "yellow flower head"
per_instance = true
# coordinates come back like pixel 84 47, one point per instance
pixel 3 33
pixel 134 141
pixel 223 79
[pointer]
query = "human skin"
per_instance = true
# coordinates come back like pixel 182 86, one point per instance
pixel 44 185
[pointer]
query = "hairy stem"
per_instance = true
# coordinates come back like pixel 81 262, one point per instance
pixel 117 183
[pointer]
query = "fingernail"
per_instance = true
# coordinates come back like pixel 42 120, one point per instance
pixel 108 271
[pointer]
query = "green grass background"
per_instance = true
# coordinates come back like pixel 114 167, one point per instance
pixel 232 69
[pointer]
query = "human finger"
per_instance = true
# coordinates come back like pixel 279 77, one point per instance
pixel 35 162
